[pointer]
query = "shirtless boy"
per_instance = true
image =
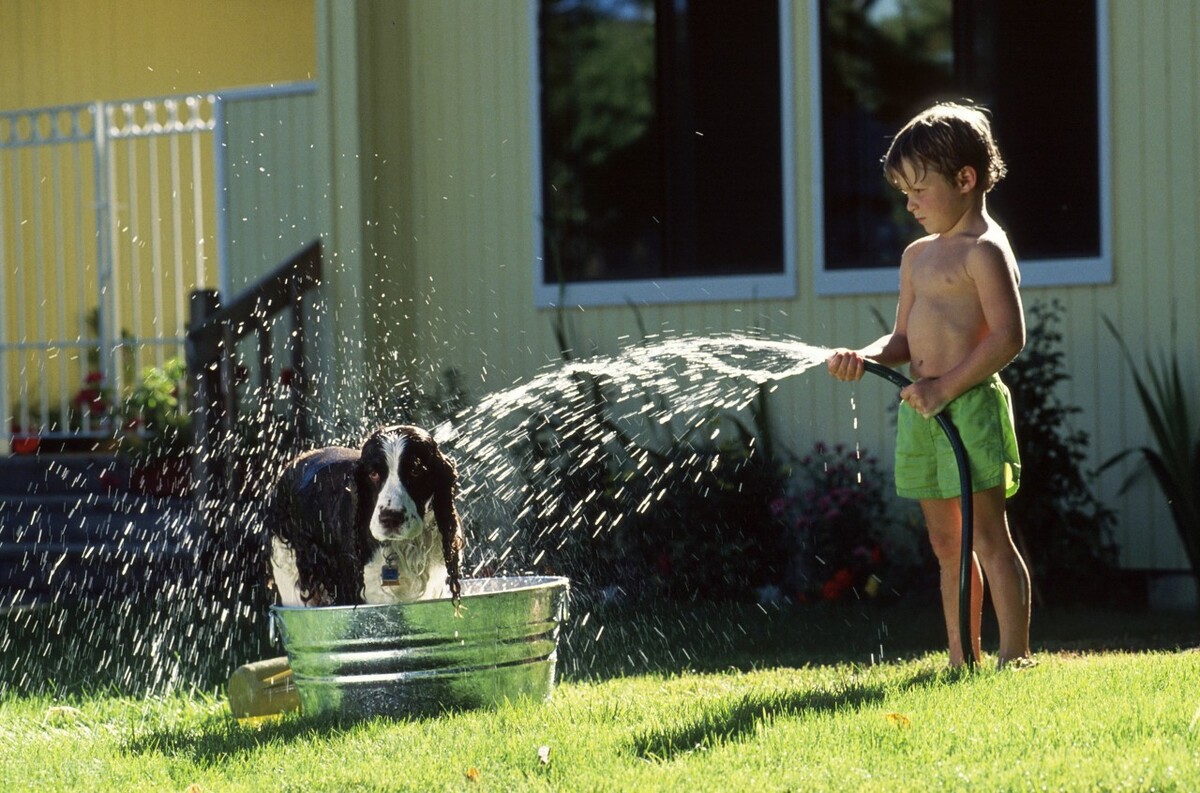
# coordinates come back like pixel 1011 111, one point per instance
pixel 959 321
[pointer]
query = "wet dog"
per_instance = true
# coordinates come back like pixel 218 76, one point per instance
pixel 370 525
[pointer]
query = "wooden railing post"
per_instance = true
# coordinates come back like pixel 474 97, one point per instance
pixel 215 328
pixel 298 387
pixel 204 371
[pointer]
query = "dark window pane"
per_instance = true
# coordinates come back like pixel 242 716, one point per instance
pixel 660 138
pixel 1043 78
pixel 601 150
pixel 881 62
pixel 1033 63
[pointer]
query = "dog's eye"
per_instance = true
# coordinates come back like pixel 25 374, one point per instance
pixel 374 477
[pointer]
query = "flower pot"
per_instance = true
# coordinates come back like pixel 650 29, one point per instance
pixel 24 443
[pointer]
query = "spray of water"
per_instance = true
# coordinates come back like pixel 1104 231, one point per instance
pixel 552 471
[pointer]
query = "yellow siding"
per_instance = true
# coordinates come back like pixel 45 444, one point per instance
pixel 448 152
pixel 56 52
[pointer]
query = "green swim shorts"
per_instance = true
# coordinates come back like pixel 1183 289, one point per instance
pixel 926 467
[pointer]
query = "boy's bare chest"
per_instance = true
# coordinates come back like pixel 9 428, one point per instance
pixel 942 271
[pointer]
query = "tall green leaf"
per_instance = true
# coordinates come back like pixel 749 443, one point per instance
pixel 1175 460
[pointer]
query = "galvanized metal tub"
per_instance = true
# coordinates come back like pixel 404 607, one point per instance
pixel 419 658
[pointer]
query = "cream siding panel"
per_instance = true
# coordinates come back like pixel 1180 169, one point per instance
pixel 1152 269
pixel 1155 141
pixel 272 183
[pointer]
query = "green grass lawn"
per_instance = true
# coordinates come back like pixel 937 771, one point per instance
pixel 1113 704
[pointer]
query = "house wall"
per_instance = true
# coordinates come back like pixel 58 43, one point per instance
pixel 449 149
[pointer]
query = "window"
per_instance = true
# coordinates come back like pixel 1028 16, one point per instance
pixel 662 158
pixel 1036 65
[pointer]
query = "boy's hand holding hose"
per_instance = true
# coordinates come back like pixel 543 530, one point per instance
pixel 846 365
pixel 923 396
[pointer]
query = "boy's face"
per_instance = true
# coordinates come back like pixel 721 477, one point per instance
pixel 937 202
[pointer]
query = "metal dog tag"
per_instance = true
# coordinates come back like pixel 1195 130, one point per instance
pixel 390 576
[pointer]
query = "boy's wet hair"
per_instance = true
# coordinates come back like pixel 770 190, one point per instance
pixel 945 138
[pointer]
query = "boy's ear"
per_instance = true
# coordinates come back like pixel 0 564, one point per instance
pixel 966 179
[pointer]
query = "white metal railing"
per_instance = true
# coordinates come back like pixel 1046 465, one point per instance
pixel 111 213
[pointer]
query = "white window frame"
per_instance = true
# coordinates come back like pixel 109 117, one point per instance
pixel 1034 272
pixel 649 291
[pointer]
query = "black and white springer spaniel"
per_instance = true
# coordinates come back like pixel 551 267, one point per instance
pixel 372 526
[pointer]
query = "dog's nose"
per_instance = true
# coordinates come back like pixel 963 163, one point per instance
pixel 392 520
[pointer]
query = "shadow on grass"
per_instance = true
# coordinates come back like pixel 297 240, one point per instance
pixel 728 721
pixel 220 737
pixel 676 637
pixel 673 638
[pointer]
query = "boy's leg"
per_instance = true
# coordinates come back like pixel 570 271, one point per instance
pixel 943 520
pixel 1007 576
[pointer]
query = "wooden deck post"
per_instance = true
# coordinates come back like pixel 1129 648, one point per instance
pixel 204 372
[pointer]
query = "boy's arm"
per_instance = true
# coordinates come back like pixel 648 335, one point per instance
pixel 995 275
pixel 890 349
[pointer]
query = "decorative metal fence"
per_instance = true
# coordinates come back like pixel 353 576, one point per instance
pixel 111 214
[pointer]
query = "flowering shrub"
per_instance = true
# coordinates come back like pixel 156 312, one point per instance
pixel 834 516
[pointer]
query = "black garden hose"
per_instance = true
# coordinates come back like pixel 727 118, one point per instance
pixel 968 518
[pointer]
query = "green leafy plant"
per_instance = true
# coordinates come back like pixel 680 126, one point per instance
pixel 157 423
pixel 1061 528
pixel 1175 458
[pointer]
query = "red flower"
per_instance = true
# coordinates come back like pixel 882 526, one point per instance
pixel 836 586
pixel 92 399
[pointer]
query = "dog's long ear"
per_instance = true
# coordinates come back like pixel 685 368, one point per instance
pixel 358 491
pixel 445 491
pixel 360 495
